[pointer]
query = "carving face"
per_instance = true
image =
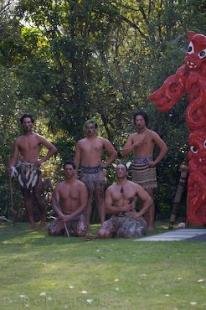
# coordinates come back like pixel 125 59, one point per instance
pixel 197 153
pixel 196 52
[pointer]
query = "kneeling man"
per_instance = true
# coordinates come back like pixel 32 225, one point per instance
pixel 69 200
pixel 120 203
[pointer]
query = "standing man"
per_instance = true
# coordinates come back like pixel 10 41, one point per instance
pixel 25 164
pixel 88 157
pixel 69 201
pixel 143 167
pixel 120 203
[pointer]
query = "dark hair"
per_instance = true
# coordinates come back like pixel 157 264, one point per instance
pixel 69 162
pixel 90 121
pixel 143 114
pixel 123 164
pixel 25 116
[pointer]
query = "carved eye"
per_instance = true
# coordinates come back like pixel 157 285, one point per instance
pixel 190 49
pixel 204 144
pixel 202 54
pixel 193 149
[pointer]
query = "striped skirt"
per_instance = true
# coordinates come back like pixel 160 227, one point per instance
pixel 28 175
pixel 142 174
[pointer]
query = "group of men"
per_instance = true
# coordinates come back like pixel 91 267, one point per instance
pixel 85 181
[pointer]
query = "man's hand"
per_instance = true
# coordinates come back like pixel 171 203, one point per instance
pixel 104 165
pixel 62 217
pixel 127 208
pixel 152 164
pixel 66 218
pixel 133 214
pixel 38 163
pixel 13 172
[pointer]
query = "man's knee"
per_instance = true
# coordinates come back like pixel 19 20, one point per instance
pixel 54 231
pixel 81 233
pixel 102 233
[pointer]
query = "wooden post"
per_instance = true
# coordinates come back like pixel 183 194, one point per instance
pixel 180 189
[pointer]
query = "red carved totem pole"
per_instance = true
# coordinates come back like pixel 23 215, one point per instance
pixel 190 79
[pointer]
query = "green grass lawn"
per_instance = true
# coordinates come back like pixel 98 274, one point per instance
pixel 42 272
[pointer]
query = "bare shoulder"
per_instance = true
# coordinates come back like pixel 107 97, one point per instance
pixel 106 143
pixel 136 187
pixel 111 188
pixel 102 140
pixel 153 133
pixel 59 186
pixel 132 184
pixel 39 137
pixel 81 141
pixel 18 140
pixel 139 187
pixel 132 136
pixel 157 139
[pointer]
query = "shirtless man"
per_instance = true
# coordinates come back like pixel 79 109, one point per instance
pixel 88 157
pixel 141 144
pixel 25 164
pixel 69 202
pixel 120 203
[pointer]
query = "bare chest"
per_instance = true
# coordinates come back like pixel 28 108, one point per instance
pixel 28 144
pixel 123 193
pixel 92 147
pixel 69 193
pixel 146 139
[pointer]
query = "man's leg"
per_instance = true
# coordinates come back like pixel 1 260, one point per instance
pixel 56 228
pixel 99 198
pixel 107 230
pixel 89 207
pixel 80 226
pixel 150 214
pixel 129 227
pixel 86 179
pixel 39 200
pixel 28 204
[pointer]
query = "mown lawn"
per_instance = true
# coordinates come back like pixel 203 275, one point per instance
pixel 42 272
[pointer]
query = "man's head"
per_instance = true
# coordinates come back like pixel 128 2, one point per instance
pixel 90 128
pixel 69 169
pixel 121 171
pixel 140 119
pixel 27 122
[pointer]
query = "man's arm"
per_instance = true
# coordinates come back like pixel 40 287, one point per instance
pixel 162 149
pixel 83 199
pixel 14 157
pixel 50 147
pixel 145 199
pixel 56 204
pixel 112 153
pixel 77 156
pixel 130 145
pixel 110 208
